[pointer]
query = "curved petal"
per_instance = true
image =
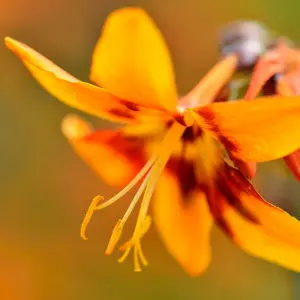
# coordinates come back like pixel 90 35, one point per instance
pixel 132 61
pixel 70 90
pixel 261 130
pixel 184 223
pixel 115 158
pixel 268 232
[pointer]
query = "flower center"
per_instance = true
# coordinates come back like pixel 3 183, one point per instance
pixel 151 173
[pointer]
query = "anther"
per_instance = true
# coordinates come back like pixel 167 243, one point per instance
pixel 93 207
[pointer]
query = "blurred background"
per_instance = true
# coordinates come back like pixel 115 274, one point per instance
pixel 46 189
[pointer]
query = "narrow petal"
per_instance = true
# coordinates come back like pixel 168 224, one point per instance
pixel 261 130
pixel 207 90
pixel 115 158
pixel 267 66
pixel 263 230
pixel 70 90
pixel 184 223
pixel 132 61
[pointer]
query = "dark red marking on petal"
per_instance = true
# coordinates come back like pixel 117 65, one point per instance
pixel 247 168
pixel 123 113
pixel 207 114
pixel 185 172
pixel 229 145
pixel 239 184
pixel 230 189
pixel 191 134
pixel 129 147
pixel 223 224
pixel 115 140
pixel 130 105
pixel 210 117
pixel 216 205
pixel 180 119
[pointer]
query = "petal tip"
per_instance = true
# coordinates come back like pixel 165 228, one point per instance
pixel 74 127
pixel 129 11
pixel 10 42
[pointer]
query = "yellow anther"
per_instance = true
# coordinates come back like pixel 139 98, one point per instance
pixel 136 261
pixel 150 172
pixel 115 237
pixel 141 254
pixel 135 244
pixel 93 207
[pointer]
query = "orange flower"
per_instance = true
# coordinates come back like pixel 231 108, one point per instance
pixel 276 70
pixel 175 149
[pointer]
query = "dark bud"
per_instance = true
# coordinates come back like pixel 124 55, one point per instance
pixel 249 39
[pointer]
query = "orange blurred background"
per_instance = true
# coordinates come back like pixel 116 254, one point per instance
pixel 46 189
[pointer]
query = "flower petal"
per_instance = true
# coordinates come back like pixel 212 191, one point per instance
pixel 293 162
pixel 132 61
pixel 70 90
pixel 207 90
pixel 184 223
pixel 261 130
pixel 115 158
pixel 268 232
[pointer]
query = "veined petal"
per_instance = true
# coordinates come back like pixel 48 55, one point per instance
pixel 268 232
pixel 184 223
pixel 70 90
pixel 115 158
pixel 132 61
pixel 261 130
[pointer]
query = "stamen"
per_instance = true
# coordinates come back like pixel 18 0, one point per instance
pixel 144 221
pixel 88 216
pixel 141 254
pixel 135 243
pixel 93 206
pixel 130 185
pixel 115 237
pixel 154 168
pixel 117 232
pixel 136 261
pixel 171 139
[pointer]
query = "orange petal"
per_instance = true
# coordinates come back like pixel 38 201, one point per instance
pixel 184 223
pixel 261 130
pixel 293 162
pixel 272 234
pixel 206 91
pixel 114 158
pixel 132 61
pixel 70 90
pixel 247 168
pixel 266 67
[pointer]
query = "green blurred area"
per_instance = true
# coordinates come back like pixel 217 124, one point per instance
pixel 46 189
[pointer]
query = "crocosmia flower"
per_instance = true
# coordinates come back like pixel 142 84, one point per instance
pixel 175 149
pixel 276 70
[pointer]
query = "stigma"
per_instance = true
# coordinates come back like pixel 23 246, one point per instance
pixel 149 175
